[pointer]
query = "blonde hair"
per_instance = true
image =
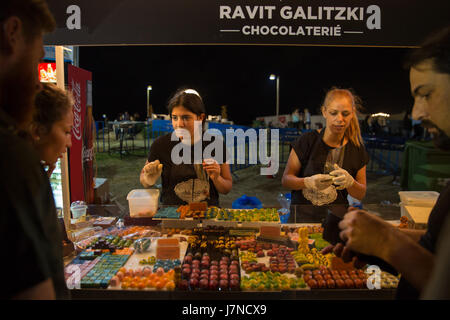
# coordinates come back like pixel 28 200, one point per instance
pixel 353 132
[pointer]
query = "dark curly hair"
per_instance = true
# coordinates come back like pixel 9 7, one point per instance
pixel 436 48
pixel 34 14
pixel 188 99
pixel 52 104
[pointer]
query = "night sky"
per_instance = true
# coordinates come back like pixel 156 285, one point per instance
pixel 238 77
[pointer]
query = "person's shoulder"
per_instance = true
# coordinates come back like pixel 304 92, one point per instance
pixel 163 140
pixel 17 150
pixel 360 149
pixel 305 141
pixel 308 136
pixel 312 133
pixel 446 191
pixel 359 153
pixel 21 174
pixel 162 144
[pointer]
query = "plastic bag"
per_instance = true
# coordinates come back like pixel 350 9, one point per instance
pixel 245 202
pixel 142 245
pixel 352 202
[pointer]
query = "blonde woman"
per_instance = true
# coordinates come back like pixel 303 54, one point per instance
pixel 326 165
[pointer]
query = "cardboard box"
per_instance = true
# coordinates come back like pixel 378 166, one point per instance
pixel 78 225
pixel 101 191
pixel 417 206
pixel 418 198
pixel 270 231
pixel 417 216
pixel 198 206
pixel 105 222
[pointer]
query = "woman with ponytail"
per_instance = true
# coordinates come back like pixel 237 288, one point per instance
pixel 194 180
pixel 325 166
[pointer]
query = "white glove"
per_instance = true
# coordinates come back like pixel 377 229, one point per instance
pixel 342 179
pixel 152 171
pixel 318 181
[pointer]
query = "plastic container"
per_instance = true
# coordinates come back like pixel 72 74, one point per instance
pixel 143 202
pixel 284 215
pixel 285 202
pixel 418 198
pixel 414 199
pixel 78 209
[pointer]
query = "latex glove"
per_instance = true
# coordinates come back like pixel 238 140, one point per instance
pixel 212 168
pixel 342 179
pixel 318 181
pixel 152 171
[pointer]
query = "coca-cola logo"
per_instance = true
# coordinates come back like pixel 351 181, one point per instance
pixel 77 120
pixel 88 154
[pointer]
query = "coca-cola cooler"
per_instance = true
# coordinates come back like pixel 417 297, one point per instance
pixel 79 82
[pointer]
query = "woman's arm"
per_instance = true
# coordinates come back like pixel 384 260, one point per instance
pixel 143 179
pixel 223 181
pixel 150 173
pixel 290 179
pixel 358 189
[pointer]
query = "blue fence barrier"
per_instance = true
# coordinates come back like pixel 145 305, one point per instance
pixel 385 153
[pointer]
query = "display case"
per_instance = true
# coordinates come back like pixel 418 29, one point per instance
pixel 218 255
pixel 56 184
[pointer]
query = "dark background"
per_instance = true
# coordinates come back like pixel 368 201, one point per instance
pixel 238 77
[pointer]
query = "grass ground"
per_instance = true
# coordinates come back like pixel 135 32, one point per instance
pixel 122 173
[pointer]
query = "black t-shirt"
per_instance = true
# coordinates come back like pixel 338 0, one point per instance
pixel 312 153
pixel 438 287
pixel 184 183
pixel 29 230
pixel 436 221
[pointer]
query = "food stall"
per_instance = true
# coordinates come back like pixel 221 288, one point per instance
pixel 198 252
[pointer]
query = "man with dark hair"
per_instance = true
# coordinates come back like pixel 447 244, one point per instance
pixel 28 221
pixel 412 252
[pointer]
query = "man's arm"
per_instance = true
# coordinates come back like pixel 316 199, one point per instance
pixel 368 234
pixel 415 235
pixel 413 261
pixel 41 291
